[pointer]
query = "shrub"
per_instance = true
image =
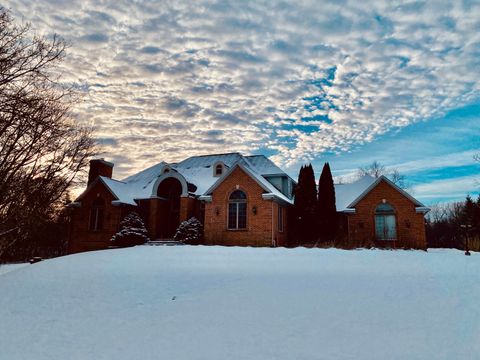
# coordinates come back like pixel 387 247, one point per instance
pixel 132 231
pixel 190 232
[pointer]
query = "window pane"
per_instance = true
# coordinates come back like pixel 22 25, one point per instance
pixel 242 215
pixel 380 227
pixel 232 216
pixel 391 229
pixel 384 209
pixel 385 227
pixel 238 195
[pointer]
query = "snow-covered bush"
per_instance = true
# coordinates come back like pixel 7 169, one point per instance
pixel 190 231
pixel 132 231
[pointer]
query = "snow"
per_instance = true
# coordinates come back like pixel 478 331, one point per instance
pixel 345 194
pixel 5 268
pixel 201 302
pixel 197 170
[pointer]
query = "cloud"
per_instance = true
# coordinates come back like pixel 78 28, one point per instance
pixel 297 79
pixel 449 189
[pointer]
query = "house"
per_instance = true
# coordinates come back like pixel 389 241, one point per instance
pixel 377 213
pixel 241 200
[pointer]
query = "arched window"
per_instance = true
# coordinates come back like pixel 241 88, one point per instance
pixel 237 210
pixel 385 224
pixel 218 169
pixel 96 215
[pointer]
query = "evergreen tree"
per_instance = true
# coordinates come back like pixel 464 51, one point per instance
pixel 476 217
pixel 132 231
pixel 327 211
pixel 305 205
pixel 468 211
pixel 190 232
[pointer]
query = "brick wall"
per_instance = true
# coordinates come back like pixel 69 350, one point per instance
pixel 410 225
pixel 259 225
pixel 83 239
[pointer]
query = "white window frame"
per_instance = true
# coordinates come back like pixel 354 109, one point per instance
pixel 237 203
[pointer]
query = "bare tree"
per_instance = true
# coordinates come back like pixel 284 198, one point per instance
pixel 376 169
pixel 42 148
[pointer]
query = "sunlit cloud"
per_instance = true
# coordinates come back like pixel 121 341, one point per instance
pixel 166 80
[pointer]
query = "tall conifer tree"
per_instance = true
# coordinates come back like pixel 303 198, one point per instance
pixel 305 206
pixel 327 211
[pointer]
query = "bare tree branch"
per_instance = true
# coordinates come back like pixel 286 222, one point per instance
pixel 41 148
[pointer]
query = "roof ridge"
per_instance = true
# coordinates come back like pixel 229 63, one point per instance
pixel 208 155
pixel 109 178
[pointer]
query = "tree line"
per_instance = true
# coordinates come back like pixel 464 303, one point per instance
pixel 449 224
pixel 42 148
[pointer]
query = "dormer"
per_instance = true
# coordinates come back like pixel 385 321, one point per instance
pixel 218 169
pixel 166 169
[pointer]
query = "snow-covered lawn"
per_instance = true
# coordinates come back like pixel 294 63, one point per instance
pixel 4 268
pixel 242 303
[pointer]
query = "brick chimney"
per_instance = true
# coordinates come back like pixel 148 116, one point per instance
pixel 99 167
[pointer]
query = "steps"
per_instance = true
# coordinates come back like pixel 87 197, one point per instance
pixel 163 242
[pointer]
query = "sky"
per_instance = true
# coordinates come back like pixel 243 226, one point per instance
pixel 347 82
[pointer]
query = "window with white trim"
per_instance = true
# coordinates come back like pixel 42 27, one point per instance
pixel 237 210
pixel 218 169
pixel 385 222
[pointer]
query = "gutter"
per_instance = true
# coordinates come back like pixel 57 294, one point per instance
pixel 272 196
pixel 422 210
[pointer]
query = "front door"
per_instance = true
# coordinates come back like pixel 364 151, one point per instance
pixel 169 190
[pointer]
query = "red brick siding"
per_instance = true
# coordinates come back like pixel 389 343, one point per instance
pixel 83 239
pixel 259 225
pixel 188 208
pixel 410 225
pixel 280 237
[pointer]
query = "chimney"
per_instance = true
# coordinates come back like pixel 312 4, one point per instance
pixel 99 167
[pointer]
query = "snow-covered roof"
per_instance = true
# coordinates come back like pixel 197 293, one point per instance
pixel 198 174
pixel 348 195
pixel 345 194
pixel 272 191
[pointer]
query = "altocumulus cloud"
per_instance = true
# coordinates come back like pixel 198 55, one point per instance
pixel 298 78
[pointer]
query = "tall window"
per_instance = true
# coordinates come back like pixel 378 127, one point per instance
pixel 280 218
pixel 218 170
pixel 237 210
pixel 96 215
pixel 385 224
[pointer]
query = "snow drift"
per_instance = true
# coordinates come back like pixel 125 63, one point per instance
pixel 243 303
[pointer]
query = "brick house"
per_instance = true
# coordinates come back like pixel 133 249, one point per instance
pixel 377 213
pixel 241 200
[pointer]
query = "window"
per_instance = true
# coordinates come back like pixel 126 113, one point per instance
pixel 218 170
pixel 385 223
pixel 237 210
pixel 96 215
pixel 280 218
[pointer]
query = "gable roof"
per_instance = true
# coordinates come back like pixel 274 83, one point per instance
pixel 271 191
pixel 345 194
pixel 197 171
pixel 349 195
